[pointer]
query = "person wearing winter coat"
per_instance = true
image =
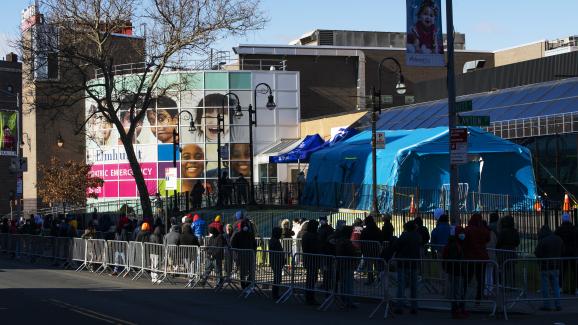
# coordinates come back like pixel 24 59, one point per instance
pixel 323 233
pixel 452 254
pixel 286 232
pixel 174 235
pixel 569 234
pixel 441 234
pixel 408 246
pixel 277 260
pixel 356 233
pixel 242 241
pixel 119 254
pixel 346 267
pixel 422 230
pixel 549 246
pixel 387 229
pixel 217 224
pixel 215 245
pixel 310 245
pixel 186 237
pixel 508 239
pixel 370 247
pixel 199 226
pixel 477 236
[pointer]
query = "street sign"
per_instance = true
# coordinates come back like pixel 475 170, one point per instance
pixel 465 106
pixel 171 179
pixel 459 146
pixel 474 120
pixel 379 140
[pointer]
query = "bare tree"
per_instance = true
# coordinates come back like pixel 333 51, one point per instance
pixel 81 37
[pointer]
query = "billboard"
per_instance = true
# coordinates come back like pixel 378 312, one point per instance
pixel 8 133
pixel 196 156
pixel 424 43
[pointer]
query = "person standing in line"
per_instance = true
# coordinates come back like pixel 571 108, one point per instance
pixel 441 234
pixel 217 224
pixel 346 265
pixel 310 246
pixel 549 246
pixel 277 260
pixel 477 236
pixel 453 254
pixel 199 227
pixel 286 232
pixel 215 245
pixel 387 230
pixel 243 241
pixel 407 247
pixel 569 234
pixel 370 246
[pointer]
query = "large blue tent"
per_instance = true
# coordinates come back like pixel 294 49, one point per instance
pixel 340 175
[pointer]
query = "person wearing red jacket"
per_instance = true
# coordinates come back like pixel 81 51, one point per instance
pixel 217 224
pixel 477 236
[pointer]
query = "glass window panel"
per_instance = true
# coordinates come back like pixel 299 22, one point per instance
pixel 239 80
pixel 216 80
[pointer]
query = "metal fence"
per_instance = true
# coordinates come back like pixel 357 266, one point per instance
pixel 516 282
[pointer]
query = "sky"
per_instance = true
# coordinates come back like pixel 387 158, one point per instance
pixel 489 25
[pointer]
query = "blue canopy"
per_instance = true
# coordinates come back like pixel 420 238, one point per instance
pixel 301 153
pixel 341 175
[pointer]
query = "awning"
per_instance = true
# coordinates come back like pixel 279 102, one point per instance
pixel 301 153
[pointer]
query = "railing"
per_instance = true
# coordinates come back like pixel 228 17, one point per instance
pixel 432 282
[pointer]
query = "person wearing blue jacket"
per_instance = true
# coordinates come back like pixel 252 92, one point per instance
pixel 441 234
pixel 199 227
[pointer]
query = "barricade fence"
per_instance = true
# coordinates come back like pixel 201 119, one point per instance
pixel 509 280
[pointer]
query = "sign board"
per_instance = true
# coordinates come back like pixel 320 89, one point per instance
pixel 459 146
pixel 473 120
pixel 465 106
pixel 379 140
pixel 424 44
pixel 171 178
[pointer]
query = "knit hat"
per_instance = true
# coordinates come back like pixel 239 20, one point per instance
pixel 565 217
pixel 218 218
pixel 239 215
pixel 145 226
pixel 438 212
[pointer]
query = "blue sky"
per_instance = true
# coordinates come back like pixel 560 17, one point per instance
pixel 489 25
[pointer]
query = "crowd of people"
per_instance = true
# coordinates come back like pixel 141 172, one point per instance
pixel 462 250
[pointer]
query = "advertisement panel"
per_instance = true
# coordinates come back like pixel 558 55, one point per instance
pixel 424 43
pixel 8 133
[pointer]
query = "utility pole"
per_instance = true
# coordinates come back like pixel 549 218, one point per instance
pixel 454 211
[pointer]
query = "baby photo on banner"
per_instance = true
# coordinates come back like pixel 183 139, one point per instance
pixel 424 43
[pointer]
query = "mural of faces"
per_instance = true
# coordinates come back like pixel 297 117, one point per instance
pixel 166 121
pixel 99 129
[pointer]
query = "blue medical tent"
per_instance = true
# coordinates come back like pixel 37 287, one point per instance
pixel 341 175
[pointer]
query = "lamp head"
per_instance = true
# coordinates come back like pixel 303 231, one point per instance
pixel 271 102
pixel 192 127
pixel 60 141
pixel 238 112
pixel 400 87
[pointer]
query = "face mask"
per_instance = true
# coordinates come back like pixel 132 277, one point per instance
pixel 462 236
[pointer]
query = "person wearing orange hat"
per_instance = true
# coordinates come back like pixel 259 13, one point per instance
pixel 217 224
pixel 144 233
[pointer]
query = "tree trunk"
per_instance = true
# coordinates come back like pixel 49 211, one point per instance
pixel 138 177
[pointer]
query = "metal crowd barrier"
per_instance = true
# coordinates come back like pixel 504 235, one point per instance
pixel 547 280
pixel 516 283
pixel 439 282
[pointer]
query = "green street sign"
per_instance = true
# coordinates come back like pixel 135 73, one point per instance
pixel 465 106
pixel 473 120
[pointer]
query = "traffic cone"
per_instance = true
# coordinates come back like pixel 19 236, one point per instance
pixel 566 206
pixel 537 206
pixel 411 206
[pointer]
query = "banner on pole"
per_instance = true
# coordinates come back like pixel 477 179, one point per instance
pixel 8 133
pixel 424 39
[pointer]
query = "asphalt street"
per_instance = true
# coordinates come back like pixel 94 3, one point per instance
pixel 36 294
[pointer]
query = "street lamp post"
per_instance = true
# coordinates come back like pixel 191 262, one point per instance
pixel 253 121
pixel 176 146
pixel 221 129
pixel 400 89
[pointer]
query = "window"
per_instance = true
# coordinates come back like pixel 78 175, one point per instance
pixel 267 173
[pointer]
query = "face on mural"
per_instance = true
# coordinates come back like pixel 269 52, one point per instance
pixel 98 127
pixel 192 161
pixel 166 121
pixel 240 151
pixel 125 120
